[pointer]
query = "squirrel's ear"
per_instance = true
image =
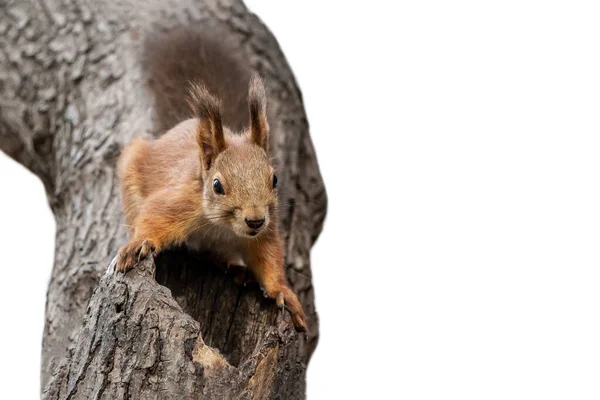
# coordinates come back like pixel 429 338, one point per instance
pixel 210 130
pixel 257 102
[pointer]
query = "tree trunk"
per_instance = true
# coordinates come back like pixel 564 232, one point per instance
pixel 72 93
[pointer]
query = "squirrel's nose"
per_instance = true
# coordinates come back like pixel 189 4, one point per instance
pixel 254 223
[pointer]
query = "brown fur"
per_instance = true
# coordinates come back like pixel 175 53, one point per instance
pixel 169 199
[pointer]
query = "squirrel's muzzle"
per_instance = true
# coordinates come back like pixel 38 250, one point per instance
pixel 254 223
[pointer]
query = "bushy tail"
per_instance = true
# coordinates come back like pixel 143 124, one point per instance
pixel 207 54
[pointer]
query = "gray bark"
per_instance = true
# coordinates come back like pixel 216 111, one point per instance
pixel 72 93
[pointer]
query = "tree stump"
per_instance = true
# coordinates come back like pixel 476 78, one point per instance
pixel 72 93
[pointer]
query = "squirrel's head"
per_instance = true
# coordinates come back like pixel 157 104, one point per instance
pixel 240 185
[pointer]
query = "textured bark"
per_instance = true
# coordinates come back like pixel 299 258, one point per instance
pixel 72 93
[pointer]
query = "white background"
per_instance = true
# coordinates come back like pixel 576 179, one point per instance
pixel 459 142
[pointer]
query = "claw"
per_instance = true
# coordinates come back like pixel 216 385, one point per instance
pixel 280 301
pixel 146 249
pixel 132 252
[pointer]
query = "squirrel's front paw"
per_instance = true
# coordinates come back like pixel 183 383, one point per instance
pixel 133 252
pixel 288 299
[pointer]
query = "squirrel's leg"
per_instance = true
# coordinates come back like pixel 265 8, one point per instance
pixel 163 220
pixel 265 259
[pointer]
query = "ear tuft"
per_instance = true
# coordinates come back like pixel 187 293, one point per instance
pixel 257 104
pixel 209 136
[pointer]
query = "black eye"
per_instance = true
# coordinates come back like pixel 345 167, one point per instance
pixel 274 181
pixel 217 187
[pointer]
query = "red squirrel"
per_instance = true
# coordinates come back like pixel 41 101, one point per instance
pixel 209 187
